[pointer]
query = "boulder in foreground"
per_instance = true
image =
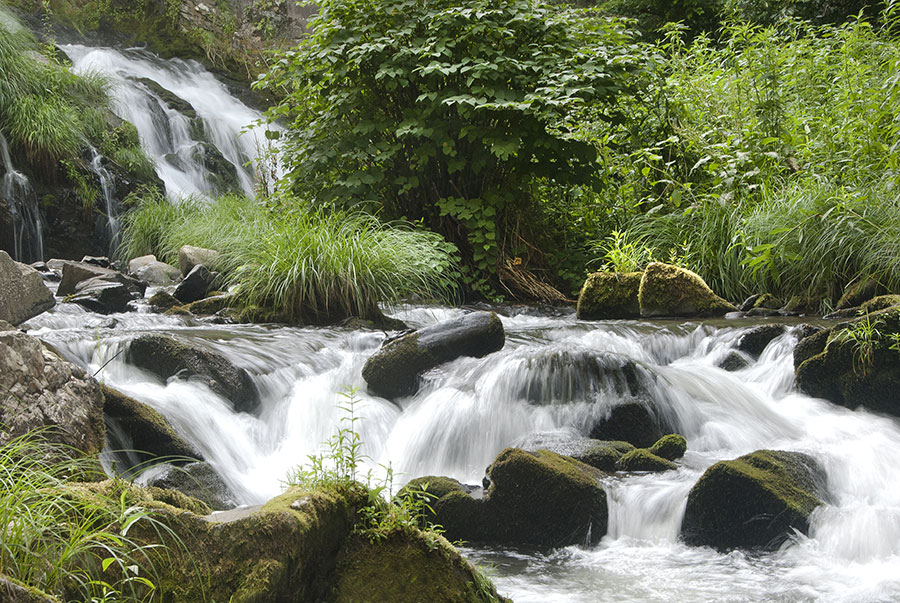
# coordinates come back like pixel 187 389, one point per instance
pixel 23 293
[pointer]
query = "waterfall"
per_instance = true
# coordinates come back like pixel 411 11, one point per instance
pixel 27 226
pixel 112 225
pixel 554 374
pixel 202 139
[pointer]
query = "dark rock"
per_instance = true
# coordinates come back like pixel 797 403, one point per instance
pixel 394 370
pixel 600 454
pixel 198 480
pixel 749 303
pixel 166 357
pixel 149 432
pixel 734 361
pixel 668 290
pixel 76 272
pixel 631 422
pixel 196 285
pixel 755 501
pixel 670 447
pixel 641 459
pixel 211 305
pixel 23 294
pixel 610 295
pixel 40 390
pixel 162 301
pixel 800 304
pixel 810 346
pixel 100 295
pixel 754 341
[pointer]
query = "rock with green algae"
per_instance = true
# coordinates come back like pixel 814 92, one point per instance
pixel 407 566
pixel 641 459
pixel 668 290
pixel 853 364
pixel 13 591
pixel 755 501
pixel 859 292
pixel 394 370
pixel 670 447
pixel 610 295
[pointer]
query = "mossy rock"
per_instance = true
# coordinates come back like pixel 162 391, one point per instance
pixel 407 567
pixel 13 591
pixel 641 459
pixel 755 340
pixel 882 302
pixel 670 447
pixel 161 301
pixel 755 501
pixel 600 454
pixel 610 295
pixel 210 305
pixel 810 346
pixel 149 432
pixel 734 361
pixel 855 294
pixel 197 480
pixel 668 290
pixel 394 370
pixel 767 301
pixel 803 304
pixel 631 422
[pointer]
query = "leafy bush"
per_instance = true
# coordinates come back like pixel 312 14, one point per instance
pixel 448 111
pixel 302 264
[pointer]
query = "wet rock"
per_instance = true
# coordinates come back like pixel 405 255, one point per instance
pixel 150 270
pixel 197 480
pixel 189 256
pixel 670 447
pixel 632 422
pixel 166 357
pixel 148 432
pixel 196 285
pixel 856 293
pixel 74 273
pixel 641 459
pixel 600 454
pixel 734 361
pixel 801 304
pixel 610 295
pixel 211 305
pixel 40 390
pixel 668 290
pixel 394 370
pixel 810 346
pixel 749 303
pixel 162 301
pixel 102 296
pixel 755 501
pixel 23 294
pixel 754 341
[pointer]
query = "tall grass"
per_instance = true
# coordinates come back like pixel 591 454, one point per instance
pixel 304 264
pixel 72 546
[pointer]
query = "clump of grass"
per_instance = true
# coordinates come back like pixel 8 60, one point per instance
pixel 72 546
pixel 302 263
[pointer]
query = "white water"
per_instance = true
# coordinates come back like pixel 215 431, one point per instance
pixel 552 374
pixel 113 224
pixel 165 133
pixel 27 226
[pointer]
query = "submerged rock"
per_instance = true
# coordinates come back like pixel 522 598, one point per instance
pixel 23 294
pixel 394 370
pixel 167 357
pixel 668 290
pixel 755 501
pixel 610 295
pixel 631 422
pixel 40 390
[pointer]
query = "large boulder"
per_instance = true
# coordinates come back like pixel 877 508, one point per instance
pixel 39 390
pixel 148 433
pixel 668 290
pixel 190 256
pixel 755 501
pixel 76 272
pixel 633 422
pixel 167 357
pixel 854 363
pixel 23 293
pixel 196 284
pixel 150 270
pixel 102 296
pixel 610 295
pixel 534 499
pixel 198 480
pixel 394 370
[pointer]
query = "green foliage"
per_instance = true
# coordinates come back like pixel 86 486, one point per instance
pixel 62 544
pixel 448 111
pixel 864 336
pixel 622 255
pixel 302 264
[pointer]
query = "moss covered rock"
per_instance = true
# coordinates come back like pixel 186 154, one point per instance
pixel 407 567
pixel 13 591
pixel 197 480
pixel 858 292
pixel 641 459
pixel 670 447
pixel 755 501
pixel 394 370
pixel 667 290
pixel 882 302
pixel 632 422
pixel 610 295
pixel 600 454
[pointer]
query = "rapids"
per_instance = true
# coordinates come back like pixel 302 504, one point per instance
pixel 546 378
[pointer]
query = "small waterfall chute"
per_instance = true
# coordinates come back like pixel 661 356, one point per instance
pixel 27 228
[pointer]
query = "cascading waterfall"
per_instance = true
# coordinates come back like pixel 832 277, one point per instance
pixel 112 226
pixel 554 374
pixel 202 139
pixel 27 226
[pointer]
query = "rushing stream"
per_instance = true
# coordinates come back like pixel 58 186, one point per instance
pixel 544 379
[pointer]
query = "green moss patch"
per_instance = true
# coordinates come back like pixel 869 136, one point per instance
pixel 610 295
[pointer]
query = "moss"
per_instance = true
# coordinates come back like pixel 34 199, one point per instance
pixel 768 301
pixel 210 305
pixel 810 346
pixel 859 292
pixel 438 487
pixel 803 304
pixel 162 301
pixel 605 454
pixel 641 459
pixel 609 295
pixel 882 302
pixel 13 591
pixel 670 447
pixel 668 290
pixel 753 501
pixel 156 498
pixel 394 370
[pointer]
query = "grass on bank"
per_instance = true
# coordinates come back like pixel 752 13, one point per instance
pixel 303 264
pixel 73 547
